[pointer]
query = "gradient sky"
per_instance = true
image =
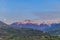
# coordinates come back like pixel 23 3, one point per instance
pixel 17 10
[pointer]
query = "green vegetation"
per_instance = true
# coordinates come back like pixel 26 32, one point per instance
pixel 12 33
pixel 25 34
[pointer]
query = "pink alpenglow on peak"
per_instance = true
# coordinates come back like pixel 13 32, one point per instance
pixel 38 22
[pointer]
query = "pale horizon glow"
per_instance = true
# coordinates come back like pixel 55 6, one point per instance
pixel 33 21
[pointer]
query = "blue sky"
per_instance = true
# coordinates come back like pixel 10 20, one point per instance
pixel 16 10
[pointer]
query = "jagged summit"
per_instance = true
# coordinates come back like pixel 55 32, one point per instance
pixel 25 21
pixel 38 22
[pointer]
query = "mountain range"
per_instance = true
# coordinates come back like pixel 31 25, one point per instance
pixel 29 31
pixel 53 28
pixel 9 32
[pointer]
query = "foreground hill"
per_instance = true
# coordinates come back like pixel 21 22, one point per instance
pixel 25 34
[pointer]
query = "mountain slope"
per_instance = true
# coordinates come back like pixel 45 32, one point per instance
pixel 54 29
pixel 31 25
